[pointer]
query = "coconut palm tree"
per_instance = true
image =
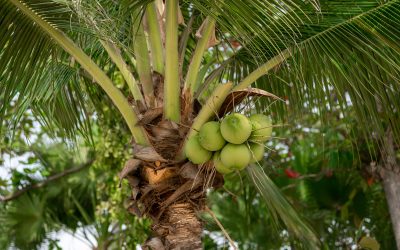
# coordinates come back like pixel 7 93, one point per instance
pixel 184 63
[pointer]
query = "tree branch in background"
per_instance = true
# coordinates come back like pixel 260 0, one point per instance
pixel 43 183
pixel 231 242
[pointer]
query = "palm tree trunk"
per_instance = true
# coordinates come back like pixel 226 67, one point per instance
pixel 169 191
pixel 391 185
pixel 390 174
pixel 180 228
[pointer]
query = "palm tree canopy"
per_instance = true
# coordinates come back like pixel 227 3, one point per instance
pixel 341 54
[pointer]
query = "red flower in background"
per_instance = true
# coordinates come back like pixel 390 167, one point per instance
pixel 370 181
pixel 235 44
pixel 290 173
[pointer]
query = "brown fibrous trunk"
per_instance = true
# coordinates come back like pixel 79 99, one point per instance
pixel 169 191
pixel 172 197
pixel 180 227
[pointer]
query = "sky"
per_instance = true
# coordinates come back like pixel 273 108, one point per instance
pixel 67 241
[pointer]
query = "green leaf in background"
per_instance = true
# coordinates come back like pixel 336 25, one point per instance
pixel 368 243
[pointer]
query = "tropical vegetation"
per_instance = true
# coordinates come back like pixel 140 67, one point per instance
pixel 124 86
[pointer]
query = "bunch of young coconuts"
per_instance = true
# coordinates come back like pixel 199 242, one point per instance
pixel 233 143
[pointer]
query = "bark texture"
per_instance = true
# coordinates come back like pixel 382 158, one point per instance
pixel 391 185
pixel 169 190
pixel 180 228
pixel 390 174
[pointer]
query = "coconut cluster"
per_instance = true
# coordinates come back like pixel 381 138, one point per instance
pixel 232 144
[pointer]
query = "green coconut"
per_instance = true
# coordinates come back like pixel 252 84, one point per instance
pixel 219 166
pixel 261 127
pixel 257 152
pixel 235 156
pixel 236 128
pixel 195 152
pixel 210 136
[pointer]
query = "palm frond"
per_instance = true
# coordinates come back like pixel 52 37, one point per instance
pixel 32 75
pixel 26 215
pixel 64 107
pixel 279 206
pixel 353 61
pixel 345 56
pixel 34 16
pixel 274 22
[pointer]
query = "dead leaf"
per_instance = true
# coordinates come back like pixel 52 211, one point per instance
pixel 134 209
pixel 148 154
pixel 130 166
pixel 135 192
pixel 181 20
pixel 150 115
pixel 189 170
pixel 154 244
pixel 133 181
pixel 212 41
pixel 236 97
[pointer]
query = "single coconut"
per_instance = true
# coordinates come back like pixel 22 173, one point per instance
pixel 236 128
pixel 195 152
pixel 219 166
pixel 261 127
pixel 210 136
pixel 257 152
pixel 236 156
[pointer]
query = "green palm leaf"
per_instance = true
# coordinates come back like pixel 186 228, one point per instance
pixel 345 55
pixel 42 18
pixel 279 206
pixel 32 75
pixel 353 57
pixel 26 215
pixel 271 21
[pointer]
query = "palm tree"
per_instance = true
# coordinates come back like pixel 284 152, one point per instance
pixel 177 76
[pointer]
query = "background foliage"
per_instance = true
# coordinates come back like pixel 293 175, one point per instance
pixel 315 164
pixel 338 90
